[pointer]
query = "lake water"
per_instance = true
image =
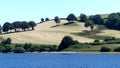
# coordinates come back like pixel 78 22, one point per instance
pixel 59 60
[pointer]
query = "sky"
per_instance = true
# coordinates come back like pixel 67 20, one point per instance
pixel 34 10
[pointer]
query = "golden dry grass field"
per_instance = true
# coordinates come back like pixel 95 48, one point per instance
pixel 45 33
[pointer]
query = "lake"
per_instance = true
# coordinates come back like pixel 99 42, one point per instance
pixel 32 60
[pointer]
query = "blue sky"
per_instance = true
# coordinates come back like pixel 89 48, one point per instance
pixel 27 10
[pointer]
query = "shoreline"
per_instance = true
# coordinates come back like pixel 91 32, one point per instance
pixel 70 52
pixel 73 52
pixel 64 52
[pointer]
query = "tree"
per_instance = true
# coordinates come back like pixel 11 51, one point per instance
pixel 90 24
pixel 24 25
pixel 17 25
pixel 105 49
pixel 71 17
pixel 97 19
pixel 34 48
pixel 11 27
pixel 117 49
pixel 42 19
pixel 27 46
pixel 7 41
pixel 32 24
pixel 57 20
pixel 47 19
pixel 113 21
pixel 66 42
pixel 83 18
pixel 6 27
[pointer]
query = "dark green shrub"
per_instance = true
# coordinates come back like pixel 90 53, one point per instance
pixel 110 38
pixel 53 48
pixel 19 50
pixel 8 48
pixel 48 48
pixel 66 42
pixel 2 49
pixel 117 49
pixel 34 48
pixel 71 17
pixel 7 41
pixel 96 40
pixel 43 48
pixel 27 46
pixel 105 49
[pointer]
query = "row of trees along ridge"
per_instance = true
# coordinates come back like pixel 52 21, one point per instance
pixel 17 26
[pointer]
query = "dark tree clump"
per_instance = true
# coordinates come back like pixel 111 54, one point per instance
pixel 32 24
pixel 105 49
pixel 27 46
pixel 83 18
pixel 7 41
pixel 89 23
pixel 42 20
pixel 24 25
pixel 66 42
pixel 97 19
pixel 57 20
pixel 47 19
pixel 6 27
pixel 71 17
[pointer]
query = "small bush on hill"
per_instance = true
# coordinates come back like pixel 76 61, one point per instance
pixel 96 40
pixel 105 49
pixel 117 49
pixel 110 38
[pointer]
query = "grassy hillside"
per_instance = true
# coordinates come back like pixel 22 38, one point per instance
pixel 48 33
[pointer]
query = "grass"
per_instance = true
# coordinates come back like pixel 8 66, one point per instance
pixel 95 48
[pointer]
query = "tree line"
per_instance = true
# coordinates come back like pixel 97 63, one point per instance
pixel 17 26
pixel 111 22
pixel 43 20
pixel 7 46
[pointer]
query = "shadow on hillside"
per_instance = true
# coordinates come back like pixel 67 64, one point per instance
pixel 91 34
pixel 15 32
pixel 54 26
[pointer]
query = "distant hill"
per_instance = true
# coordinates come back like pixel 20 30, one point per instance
pixel 49 33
